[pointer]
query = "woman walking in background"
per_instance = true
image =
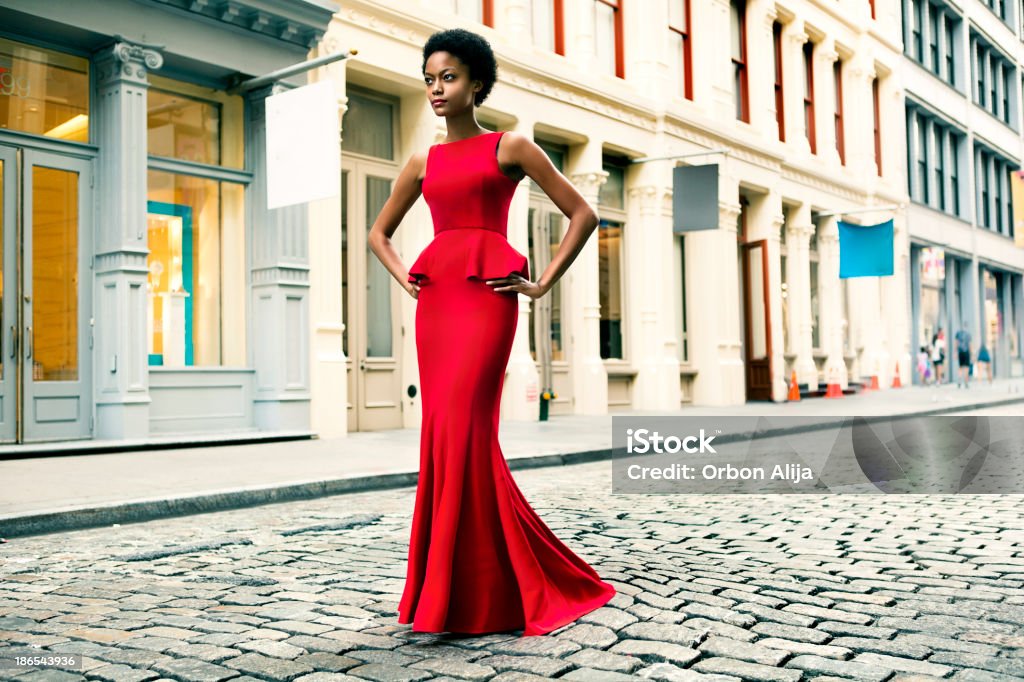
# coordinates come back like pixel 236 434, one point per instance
pixel 480 558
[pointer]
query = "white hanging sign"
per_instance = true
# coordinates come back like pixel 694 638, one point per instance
pixel 303 151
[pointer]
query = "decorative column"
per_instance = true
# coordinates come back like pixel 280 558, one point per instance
pixel 800 294
pixel 590 380
pixel 720 57
pixel 767 113
pixel 646 64
pixel 520 397
pixel 645 296
pixel 711 258
pixel 121 357
pixel 328 383
pixel 793 88
pixel 776 220
pixel 896 310
pixel 278 326
pixel 517 22
pixel 825 102
pixel 832 303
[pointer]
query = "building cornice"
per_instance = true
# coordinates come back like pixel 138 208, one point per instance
pixel 300 22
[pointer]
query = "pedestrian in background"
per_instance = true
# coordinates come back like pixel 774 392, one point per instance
pixel 924 368
pixel 963 353
pixel 984 363
pixel 939 353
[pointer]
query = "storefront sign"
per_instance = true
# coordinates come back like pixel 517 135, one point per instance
pixel 1017 196
pixel 695 198
pixel 303 145
pixel 933 264
pixel 865 250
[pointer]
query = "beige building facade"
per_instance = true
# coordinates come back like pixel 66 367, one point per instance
pixel 802 110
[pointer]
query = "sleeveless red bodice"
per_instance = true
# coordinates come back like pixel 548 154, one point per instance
pixel 469 198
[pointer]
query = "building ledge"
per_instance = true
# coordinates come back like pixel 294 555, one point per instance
pixel 300 22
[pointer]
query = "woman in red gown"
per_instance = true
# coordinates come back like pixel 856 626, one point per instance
pixel 480 558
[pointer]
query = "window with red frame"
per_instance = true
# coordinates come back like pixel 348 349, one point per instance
pixel 738 11
pixel 837 74
pixel 878 126
pixel 809 95
pixel 780 116
pixel 871 4
pixel 608 23
pixel 476 10
pixel 679 28
pixel 547 25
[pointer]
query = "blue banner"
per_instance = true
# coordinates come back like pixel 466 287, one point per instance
pixel 865 250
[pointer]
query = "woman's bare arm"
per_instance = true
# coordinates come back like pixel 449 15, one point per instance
pixel 406 190
pixel 583 219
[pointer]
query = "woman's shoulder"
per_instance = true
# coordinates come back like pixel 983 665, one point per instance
pixel 418 160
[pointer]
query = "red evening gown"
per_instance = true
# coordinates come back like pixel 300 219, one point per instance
pixel 480 558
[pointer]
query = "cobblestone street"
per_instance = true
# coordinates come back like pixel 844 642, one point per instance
pixel 711 588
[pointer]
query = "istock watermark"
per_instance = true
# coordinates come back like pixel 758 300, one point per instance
pixel 919 454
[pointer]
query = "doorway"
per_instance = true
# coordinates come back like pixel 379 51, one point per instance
pixel 45 306
pixel 757 340
pixel 372 339
pixel 548 333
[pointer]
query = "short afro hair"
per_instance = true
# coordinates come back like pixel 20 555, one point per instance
pixel 472 50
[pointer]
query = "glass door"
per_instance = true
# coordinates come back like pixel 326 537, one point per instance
pixel 45 310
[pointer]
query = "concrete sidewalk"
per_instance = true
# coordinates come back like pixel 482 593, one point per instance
pixel 50 494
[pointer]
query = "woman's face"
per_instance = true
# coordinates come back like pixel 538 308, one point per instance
pixel 449 89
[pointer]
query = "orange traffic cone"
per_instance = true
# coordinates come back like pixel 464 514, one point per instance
pixel 794 390
pixel 873 386
pixel 896 379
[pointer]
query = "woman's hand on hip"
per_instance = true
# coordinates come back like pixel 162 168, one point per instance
pixel 518 284
pixel 412 289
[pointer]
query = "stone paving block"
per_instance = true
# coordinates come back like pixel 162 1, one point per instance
pixel 974 675
pixel 604 660
pixel 49 675
pixel 325 677
pixel 903 664
pixel 834 614
pixel 896 647
pixel 587 635
pixel 1006 666
pixel 825 650
pixel 592 675
pixel 799 598
pixel 270 648
pixel 763 613
pixel 100 635
pixel 536 646
pixel 194 670
pixel 535 665
pixel 267 667
pixel 745 670
pixel 816 665
pixel 382 672
pixel 323 661
pixel 612 618
pixel 121 673
pixel 744 651
pixel 664 632
pixel 517 676
pixel 382 656
pixel 792 632
pixel 666 672
pixel 353 640
pixel 727 616
pixel 454 667
pixel 709 627
pixel 652 651
pixel 851 630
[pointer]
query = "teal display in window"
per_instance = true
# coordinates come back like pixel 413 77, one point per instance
pixel 170 284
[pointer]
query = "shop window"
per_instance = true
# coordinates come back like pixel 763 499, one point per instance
pixel 191 222
pixel 43 92
pixel 368 125
pixel 181 127
pixel 610 280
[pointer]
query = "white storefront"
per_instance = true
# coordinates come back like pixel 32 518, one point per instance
pixel 645 318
